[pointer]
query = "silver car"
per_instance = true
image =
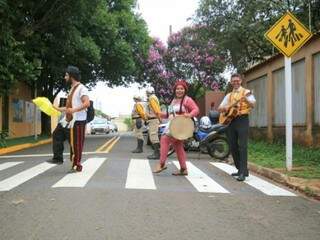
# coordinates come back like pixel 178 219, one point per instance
pixel 99 125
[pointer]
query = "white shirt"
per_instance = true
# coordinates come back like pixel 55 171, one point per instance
pixel 76 102
pixel 251 99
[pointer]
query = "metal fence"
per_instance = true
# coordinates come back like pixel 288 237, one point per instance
pixel 258 116
pixel 279 97
pixel 299 93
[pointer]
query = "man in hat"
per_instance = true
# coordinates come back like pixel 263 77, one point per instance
pixel 76 115
pixel 153 116
pixel 138 117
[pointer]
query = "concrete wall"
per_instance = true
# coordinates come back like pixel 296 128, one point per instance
pixel 210 97
pixel 306 94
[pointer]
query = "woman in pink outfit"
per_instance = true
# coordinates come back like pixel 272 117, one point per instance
pixel 180 105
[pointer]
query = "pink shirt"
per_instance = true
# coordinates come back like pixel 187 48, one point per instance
pixel 188 106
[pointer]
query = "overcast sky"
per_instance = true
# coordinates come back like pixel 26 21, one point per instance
pixel 159 15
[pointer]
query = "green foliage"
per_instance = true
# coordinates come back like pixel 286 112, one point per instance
pixel 99 113
pixel 38 39
pixel 3 138
pixel 22 140
pixel 238 26
pixel 305 160
pixel 128 122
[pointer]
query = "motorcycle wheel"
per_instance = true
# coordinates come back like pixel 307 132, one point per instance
pixel 219 148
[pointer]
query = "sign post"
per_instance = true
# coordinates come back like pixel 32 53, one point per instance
pixel 288 35
pixel 288 97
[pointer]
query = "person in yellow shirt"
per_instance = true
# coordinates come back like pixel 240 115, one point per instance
pixel 153 115
pixel 138 116
pixel 238 129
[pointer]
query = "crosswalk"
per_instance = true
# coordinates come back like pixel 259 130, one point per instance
pixel 138 175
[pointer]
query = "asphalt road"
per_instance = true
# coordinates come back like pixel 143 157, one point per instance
pixel 117 197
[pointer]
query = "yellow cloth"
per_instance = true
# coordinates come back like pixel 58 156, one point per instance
pixel 154 106
pixel 244 107
pixel 45 106
pixel 140 110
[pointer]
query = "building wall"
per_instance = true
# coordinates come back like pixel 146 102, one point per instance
pixel 258 116
pixel 21 112
pixel 205 102
pixel 305 92
pixel 316 69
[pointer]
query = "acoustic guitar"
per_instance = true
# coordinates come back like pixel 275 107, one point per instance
pixel 232 112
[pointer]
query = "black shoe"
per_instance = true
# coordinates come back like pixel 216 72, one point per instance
pixel 139 148
pixel 153 156
pixel 241 178
pixel 137 151
pixel 156 152
pixel 236 174
pixel 54 161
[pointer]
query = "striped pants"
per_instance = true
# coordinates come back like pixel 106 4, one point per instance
pixel 77 135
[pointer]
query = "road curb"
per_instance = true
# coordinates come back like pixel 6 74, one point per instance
pixel 23 146
pixel 297 184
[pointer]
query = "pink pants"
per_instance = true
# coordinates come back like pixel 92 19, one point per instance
pixel 178 147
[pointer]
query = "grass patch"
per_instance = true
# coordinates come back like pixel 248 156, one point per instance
pixel 22 140
pixel 306 161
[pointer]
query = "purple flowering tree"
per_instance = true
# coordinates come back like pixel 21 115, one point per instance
pixel 196 58
pixel 188 56
pixel 156 72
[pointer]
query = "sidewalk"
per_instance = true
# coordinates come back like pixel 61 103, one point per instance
pixel 310 187
pixel 18 144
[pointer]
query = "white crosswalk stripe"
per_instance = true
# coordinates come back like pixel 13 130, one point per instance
pixel 139 175
pixel 18 179
pixel 201 181
pixel 258 183
pixel 80 179
pixel 6 165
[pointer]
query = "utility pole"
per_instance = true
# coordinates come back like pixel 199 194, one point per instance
pixel 310 15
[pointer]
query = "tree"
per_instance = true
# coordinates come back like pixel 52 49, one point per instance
pixel 189 56
pixel 156 72
pixel 196 58
pixel 238 26
pixel 106 39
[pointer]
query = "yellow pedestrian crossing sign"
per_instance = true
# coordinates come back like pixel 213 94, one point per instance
pixel 288 34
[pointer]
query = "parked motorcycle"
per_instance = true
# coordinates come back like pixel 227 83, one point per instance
pixel 209 137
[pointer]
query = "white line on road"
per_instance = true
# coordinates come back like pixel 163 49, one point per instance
pixel 80 179
pixel 258 183
pixel 6 165
pixel 24 176
pixel 44 155
pixel 140 175
pixel 201 181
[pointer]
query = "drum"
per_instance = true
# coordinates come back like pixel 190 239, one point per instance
pixel 181 127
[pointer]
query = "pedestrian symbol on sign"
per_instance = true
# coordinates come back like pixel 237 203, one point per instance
pixel 289 34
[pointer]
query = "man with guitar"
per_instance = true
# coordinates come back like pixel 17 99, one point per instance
pixel 235 109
